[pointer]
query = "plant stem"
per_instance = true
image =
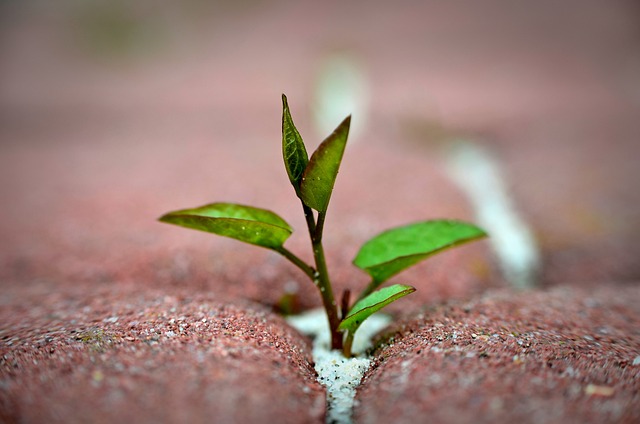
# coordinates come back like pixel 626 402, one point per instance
pixel 308 216
pixel 344 304
pixel 317 234
pixel 297 261
pixel 348 342
pixel 321 278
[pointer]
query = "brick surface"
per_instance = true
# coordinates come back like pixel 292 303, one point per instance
pixel 556 356
pixel 94 147
pixel 576 186
pixel 151 357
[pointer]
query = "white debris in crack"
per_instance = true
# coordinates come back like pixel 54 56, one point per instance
pixel 341 376
pixel 341 89
pixel 478 173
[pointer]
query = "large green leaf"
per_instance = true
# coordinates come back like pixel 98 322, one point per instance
pixel 371 304
pixel 245 223
pixel 293 150
pixel 394 250
pixel 321 172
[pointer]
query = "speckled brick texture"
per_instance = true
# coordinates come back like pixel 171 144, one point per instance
pixel 564 355
pixel 108 316
pixel 152 357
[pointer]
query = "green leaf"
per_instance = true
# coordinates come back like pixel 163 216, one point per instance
pixel 321 172
pixel 293 150
pixel 394 250
pixel 371 304
pixel 245 223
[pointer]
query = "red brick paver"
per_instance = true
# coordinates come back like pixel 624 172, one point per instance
pixel 563 355
pixel 102 307
pixel 152 357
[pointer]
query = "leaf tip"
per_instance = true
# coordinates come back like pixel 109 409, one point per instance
pixel 165 217
pixel 347 122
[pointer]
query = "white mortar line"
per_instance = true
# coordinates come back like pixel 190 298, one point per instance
pixel 478 174
pixel 339 375
pixel 341 89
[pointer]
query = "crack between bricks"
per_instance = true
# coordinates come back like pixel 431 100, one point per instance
pixel 339 375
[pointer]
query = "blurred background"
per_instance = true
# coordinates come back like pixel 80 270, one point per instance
pixel 113 112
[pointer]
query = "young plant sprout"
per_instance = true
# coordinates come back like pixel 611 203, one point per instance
pixel 313 179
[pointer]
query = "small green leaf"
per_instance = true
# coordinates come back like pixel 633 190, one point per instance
pixel 321 172
pixel 293 150
pixel 371 304
pixel 245 223
pixel 394 250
